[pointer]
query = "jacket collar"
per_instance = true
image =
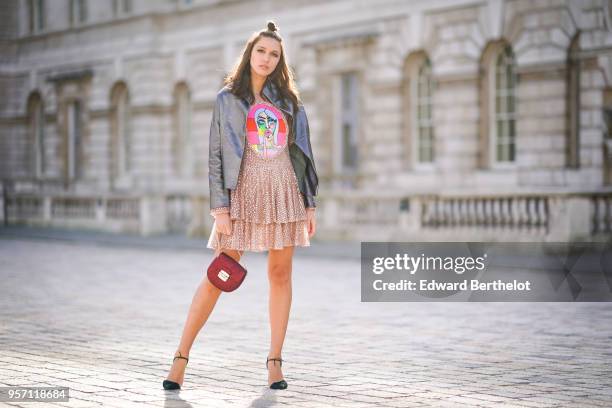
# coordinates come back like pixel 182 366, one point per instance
pixel 271 92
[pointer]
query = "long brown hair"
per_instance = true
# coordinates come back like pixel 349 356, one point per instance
pixel 239 78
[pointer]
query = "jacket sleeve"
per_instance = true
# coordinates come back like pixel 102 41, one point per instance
pixel 219 196
pixel 309 201
pixel 311 173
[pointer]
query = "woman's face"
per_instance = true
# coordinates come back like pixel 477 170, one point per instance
pixel 265 56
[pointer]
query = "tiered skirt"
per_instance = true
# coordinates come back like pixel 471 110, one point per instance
pixel 266 209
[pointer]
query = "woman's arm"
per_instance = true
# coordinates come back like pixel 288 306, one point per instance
pixel 219 196
pixel 311 182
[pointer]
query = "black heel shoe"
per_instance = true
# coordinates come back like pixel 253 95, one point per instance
pixel 171 385
pixel 278 385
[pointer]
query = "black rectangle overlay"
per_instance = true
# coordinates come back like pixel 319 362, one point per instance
pixel 486 272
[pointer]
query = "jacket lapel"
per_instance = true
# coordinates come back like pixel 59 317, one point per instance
pixel 270 92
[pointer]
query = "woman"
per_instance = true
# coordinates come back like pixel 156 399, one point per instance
pixel 262 182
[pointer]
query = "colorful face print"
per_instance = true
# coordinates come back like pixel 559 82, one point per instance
pixel 266 130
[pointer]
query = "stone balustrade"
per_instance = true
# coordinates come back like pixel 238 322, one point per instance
pixel 533 216
pixel 344 215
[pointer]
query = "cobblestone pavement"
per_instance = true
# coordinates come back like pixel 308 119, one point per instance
pixel 105 321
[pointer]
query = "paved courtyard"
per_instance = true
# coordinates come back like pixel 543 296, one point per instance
pixel 104 319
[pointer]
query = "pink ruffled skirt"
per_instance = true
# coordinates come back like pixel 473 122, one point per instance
pixel 266 208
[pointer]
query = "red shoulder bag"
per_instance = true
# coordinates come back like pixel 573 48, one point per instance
pixel 224 271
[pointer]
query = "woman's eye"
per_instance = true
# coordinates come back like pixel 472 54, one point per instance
pixel 274 55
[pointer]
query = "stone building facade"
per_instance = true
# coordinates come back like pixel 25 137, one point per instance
pixel 430 120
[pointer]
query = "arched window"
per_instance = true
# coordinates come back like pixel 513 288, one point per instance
pixel 78 11
pixel 74 138
pixel 573 105
pixel 36 132
pixel 607 137
pixel 504 126
pixel 498 83
pixel 182 143
pixel 36 10
pixel 418 92
pixel 348 119
pixel 424 108
pixel 121 137
pixel 122 7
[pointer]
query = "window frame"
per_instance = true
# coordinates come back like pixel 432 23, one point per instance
pixel 415 118
pixel 122 8
pixel 78 12
pixel 121 137
pixel 36 131
pixel 183 154
pixel 507 116
pixel 348 116
pixel 572 154
pixel 74 138
pixel 36 16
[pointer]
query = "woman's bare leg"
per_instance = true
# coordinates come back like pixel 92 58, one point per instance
pixel 202 305
pixel 279 275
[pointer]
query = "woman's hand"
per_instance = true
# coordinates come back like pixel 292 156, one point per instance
pixel 224 224
pixel 312 223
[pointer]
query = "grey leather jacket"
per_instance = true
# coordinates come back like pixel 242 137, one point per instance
pixel 227 139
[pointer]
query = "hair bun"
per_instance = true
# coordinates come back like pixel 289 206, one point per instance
pixel 271 26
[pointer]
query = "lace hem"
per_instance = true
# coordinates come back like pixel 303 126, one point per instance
pixel 219 210
pixel 249 236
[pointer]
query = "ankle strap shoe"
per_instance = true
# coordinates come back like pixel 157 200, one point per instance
pixel 171 385
pixel 278 385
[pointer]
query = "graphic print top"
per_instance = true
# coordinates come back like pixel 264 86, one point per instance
pixel 266 130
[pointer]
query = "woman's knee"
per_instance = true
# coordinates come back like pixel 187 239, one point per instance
pixel 279 273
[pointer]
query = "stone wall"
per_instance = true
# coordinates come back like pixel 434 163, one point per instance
pixel 162 43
